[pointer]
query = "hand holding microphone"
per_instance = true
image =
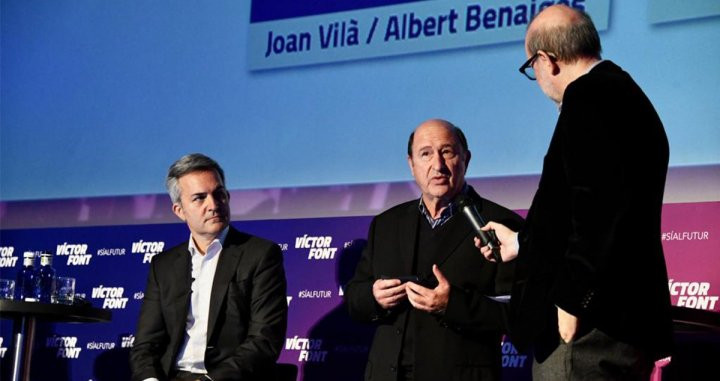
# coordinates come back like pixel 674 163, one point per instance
pixel 487 237
pixel 496 241
pixel 509 246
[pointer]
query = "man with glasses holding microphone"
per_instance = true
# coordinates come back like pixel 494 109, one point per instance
pixel 590 294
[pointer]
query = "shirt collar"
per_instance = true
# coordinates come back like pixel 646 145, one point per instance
pixel 219 240
pixel 445 215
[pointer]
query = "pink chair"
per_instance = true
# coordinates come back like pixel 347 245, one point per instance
pixel 656 374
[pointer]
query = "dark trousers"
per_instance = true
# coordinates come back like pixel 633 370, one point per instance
pixel 594 356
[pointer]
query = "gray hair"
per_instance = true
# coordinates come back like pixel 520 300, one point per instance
pixel 569 41
pixel 189 163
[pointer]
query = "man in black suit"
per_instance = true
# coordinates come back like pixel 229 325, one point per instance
pixel 591 292
pixel 442 325
pixel 215 306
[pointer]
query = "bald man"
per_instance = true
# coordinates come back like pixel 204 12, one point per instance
pixel 421 279
pixel 591 292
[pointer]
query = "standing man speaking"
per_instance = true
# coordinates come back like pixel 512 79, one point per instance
pixel 591 289
pixel 421 279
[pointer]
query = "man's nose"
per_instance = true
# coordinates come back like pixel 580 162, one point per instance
pixel 212 203
pixel 438 162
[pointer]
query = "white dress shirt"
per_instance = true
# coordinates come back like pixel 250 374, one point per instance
pixel 191 357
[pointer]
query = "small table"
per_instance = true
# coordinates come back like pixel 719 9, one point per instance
pixel 26 314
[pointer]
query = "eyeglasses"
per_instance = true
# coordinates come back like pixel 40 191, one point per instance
pixel 527 68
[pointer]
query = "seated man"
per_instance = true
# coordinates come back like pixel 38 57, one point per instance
pixel 215 306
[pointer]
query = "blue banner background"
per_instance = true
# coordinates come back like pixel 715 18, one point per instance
pixel 339 345
pixel 264 10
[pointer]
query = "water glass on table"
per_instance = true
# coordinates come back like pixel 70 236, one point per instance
pixel 65 287
pixel 7 289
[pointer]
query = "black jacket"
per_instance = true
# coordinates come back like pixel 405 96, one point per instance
pixel 248 311
pixel 464 342
pixel 592 244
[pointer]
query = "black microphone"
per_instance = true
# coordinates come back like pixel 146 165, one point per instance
pixel 488 238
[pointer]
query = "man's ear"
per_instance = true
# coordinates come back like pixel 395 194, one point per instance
pixel 468 155
pixel 549 61
pixel 554 66
pixel 410 164
pixel 177 209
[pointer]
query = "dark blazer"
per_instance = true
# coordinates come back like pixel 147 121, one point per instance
pixel 248 311
pixel 464 342
pixel 591 244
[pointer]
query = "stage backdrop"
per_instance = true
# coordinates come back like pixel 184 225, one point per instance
pixel 110 264
pixel 99 97
pixel 308 106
